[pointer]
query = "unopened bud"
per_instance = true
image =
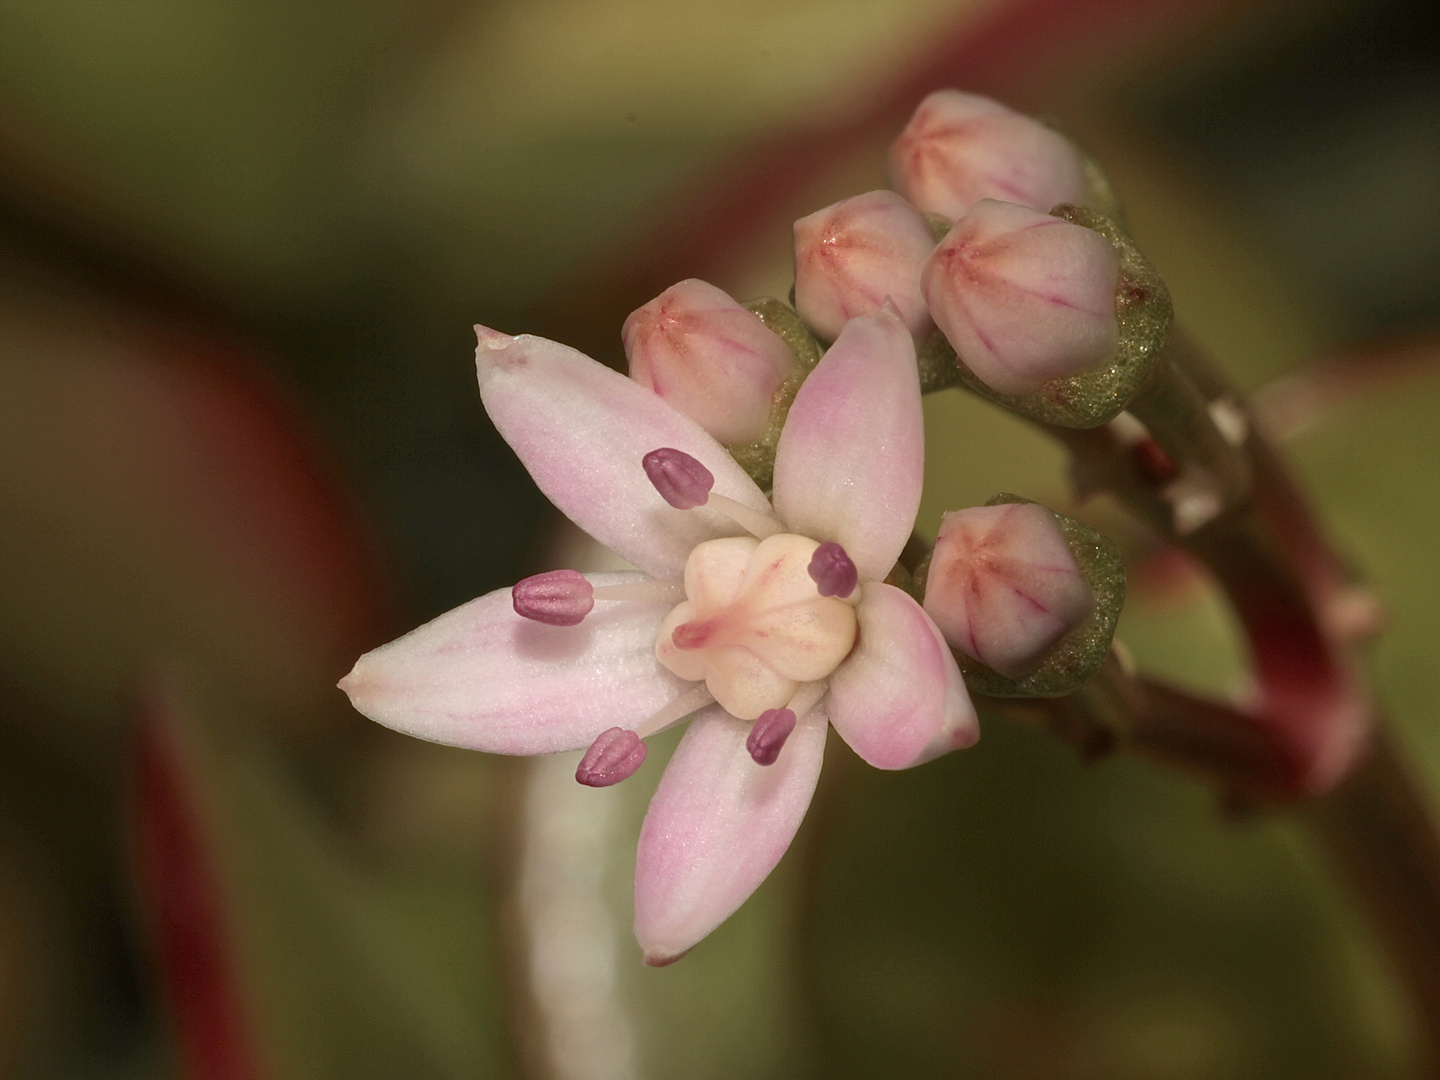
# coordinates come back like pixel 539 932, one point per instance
pixel 850 256
pixel 767 737
pixel 1022 296
pixel 708 357
pixel 1004 587
pixel 960 148
pixel 556 598
pixel 612 757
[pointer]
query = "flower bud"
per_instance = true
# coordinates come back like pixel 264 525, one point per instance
pixel 850 256
pixel 708 357
pixel 961 148
pixel 1023 297
pixel 1004 587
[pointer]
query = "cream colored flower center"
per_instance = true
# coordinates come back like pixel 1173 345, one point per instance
pixel 754 627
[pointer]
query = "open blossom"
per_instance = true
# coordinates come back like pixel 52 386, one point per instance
pixel 852 255
pixel 1004 587
pixel 960 148
pixel 768 622
pixel 709 357
pixel 1022 296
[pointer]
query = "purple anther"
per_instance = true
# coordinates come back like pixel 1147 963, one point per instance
pixel 769 735
pixel 613 757
pixel 832 571
pixel 682 481
pixel 556 598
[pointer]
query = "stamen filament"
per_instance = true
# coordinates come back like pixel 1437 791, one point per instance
pixel 806 698
pixel 696 698
pixel 754 522
pixel 668 592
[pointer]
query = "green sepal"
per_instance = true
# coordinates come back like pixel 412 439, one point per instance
pixel 758 458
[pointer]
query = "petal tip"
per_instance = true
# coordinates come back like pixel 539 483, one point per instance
pixel 353 682
pixel 965 736
pixel 491 340
pixel 657 959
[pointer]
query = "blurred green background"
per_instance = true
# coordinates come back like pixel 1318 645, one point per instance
pixel 241 249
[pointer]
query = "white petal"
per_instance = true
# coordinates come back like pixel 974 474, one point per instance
pixel 850 462
pixel 483 678
pixel 899 700
pixel 582 430
pixel 716 827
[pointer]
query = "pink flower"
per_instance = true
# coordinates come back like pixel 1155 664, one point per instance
pixel 961 148
pixel 850 256
pixel 744 611
pixel 709 357
pixel 1022 296
pixel 1003 585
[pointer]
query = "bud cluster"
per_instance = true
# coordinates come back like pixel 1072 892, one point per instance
pixel 1006 281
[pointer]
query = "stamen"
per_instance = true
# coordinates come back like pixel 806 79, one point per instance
pixel 612 757
pixel 752 521
pixel 556 598
pixel 685 483
pixel 695 698
pixel 681 480
pixel 774 726
pixel 806 698
pixel 657 592
pixel 768 736
pixel 832 571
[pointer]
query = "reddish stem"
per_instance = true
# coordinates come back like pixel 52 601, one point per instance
pixel 1315 731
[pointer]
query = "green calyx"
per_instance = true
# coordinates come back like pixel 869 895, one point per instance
pixel 758 458
pixel 1097 396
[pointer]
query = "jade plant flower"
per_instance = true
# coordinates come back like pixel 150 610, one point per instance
pixel 1003 585
pixel 1024 297
pixel 765 621
pixel 960 148
pixel 708 357
pixel 853 255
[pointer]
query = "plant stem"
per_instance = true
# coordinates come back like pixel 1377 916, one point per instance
pixel 1315 736
pixel 1178 418
pixel 1378 829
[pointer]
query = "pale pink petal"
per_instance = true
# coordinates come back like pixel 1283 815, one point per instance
pixel 850 462
pixel 582 431
pixel 716 827
pixel 899 700
pixel 483 678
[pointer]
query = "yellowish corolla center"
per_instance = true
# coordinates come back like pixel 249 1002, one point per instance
pixel 754 627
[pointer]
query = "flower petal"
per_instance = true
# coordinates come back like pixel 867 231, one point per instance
pixel 582 430
pixel 716 827
pixel 484 678
pixel 850 462
pixel 899 700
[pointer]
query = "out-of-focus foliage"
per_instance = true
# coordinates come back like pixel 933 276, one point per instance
pixel 324 197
